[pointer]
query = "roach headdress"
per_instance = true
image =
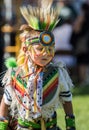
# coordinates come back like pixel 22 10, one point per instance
pixel 41 17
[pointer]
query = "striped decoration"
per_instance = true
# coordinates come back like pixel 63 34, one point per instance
pixel 20 84
pixel 50 84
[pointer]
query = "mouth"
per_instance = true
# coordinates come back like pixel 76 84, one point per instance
pixel 44 59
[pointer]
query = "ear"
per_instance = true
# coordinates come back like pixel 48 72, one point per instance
pixel 24 49
pixel 22 38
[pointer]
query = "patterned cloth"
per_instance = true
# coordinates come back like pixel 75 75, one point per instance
pixel 54 78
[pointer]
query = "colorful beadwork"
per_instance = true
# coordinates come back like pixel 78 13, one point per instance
pixel 46 38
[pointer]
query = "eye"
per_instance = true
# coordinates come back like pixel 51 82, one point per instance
pixel 39 48
pixel 51 49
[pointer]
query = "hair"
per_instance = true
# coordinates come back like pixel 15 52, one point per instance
pixel 24 31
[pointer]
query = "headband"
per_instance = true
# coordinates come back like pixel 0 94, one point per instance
pixel 46 38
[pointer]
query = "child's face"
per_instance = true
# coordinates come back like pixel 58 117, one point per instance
pixel 41 55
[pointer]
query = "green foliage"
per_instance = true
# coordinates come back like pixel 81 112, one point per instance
pixel 81 90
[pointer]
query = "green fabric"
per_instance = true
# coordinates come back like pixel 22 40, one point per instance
pixel 28 124
pixel 3 125
pixel 54 121
pixel 70 122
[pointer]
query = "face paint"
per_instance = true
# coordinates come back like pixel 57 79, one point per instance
pixel 41 48
pixel 40 54
pixel 49 50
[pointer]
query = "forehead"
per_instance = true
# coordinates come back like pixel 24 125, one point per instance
pixel 39 45
pixel 32 34
pixel 29 34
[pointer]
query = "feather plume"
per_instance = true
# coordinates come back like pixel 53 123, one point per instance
pixel 11 62
pixel 46 4
pixel 44 17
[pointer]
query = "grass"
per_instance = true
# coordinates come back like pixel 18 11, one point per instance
pixel 81 109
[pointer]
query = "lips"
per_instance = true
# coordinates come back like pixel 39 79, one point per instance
pixel 44 59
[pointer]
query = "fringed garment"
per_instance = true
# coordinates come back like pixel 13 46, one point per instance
pixel 38 97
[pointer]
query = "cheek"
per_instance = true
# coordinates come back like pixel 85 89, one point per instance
pixel 28 53
pixel 33 55
pixel 50 58
pixel 37 55
pixel 37 52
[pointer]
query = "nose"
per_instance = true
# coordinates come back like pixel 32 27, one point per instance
pixel 45 53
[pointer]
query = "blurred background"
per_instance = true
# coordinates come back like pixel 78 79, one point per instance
pixel 72 44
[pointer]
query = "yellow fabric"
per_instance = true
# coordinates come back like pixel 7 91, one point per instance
pixel 43 126
pixel 35 106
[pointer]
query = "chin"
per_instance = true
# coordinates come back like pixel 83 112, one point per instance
pixel 43 65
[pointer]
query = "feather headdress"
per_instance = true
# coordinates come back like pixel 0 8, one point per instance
pixel 41 17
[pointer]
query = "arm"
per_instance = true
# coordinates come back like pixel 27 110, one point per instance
pixel 68 108
pixel 66 97
pixel 3 115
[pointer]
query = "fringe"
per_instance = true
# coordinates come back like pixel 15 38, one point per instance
pixel 43 126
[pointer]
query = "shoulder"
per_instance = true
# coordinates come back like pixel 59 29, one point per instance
pixel 64 75
pixel 8 76
pixel 59 65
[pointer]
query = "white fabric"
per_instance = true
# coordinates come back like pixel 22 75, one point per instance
pixel 6 100
pixel 48 109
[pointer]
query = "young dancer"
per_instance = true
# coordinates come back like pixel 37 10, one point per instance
pixel 34 86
